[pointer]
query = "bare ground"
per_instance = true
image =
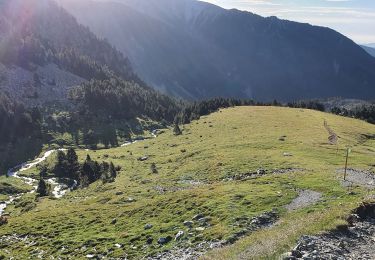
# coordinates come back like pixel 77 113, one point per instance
pixel 305 198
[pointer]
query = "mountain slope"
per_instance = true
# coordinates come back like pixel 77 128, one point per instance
pixel 197 50
pixel 211 170
pixel 49 61
pixel 370 50
pixel 44 52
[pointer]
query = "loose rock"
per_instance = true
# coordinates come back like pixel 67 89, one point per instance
pixel 179 235
pixel 148 226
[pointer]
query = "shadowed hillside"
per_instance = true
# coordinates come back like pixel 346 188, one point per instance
pixel 197 50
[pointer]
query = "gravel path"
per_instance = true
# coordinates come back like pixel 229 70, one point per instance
pixel 305 198
pixel 358 177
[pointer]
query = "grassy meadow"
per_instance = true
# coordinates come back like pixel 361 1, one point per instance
pixel 196 175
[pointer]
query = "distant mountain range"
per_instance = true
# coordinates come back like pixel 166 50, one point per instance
pixel 196 50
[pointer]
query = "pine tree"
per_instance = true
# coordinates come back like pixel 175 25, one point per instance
pixel 177 130
pixel 43 172
pixel 61 166
pixel 153 168
pixel 112 171
pixel 42 189
pixel 73 165
pixel 104 168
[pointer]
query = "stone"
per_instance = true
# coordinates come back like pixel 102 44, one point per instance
pixel 118 245
pixel 188 224
pixel 164 240
pixel 353 218
pixel 179 235
pixel 203 221
pixel 198 216
pixel 130 199
pixel 149 240
pixel 297 253
pixel 148 226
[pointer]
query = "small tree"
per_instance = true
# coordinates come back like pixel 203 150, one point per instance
pixel 176 129
pixel 73 165
pixel 43 171
pixel 42 189
pixel 153 168
pixel 61 166
pixel 84 180
pixel 112 172
pixel 104 167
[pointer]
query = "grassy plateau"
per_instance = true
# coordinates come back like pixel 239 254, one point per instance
pixel 198 173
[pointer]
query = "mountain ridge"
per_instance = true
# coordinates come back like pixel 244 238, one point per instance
pixel 369 50
pixel 230 53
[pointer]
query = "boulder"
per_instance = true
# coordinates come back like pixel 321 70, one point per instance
pixel 188 224
pixel 164 240
pixel 297 254
pixel 198 216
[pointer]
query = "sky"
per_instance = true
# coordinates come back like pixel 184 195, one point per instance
pixel 353 18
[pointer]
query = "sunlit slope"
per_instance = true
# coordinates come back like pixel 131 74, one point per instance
pixel 201 172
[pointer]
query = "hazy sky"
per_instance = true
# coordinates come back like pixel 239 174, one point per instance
pixel 353 18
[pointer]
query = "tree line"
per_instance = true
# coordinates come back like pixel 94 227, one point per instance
pixel 68 167
pixel 364 112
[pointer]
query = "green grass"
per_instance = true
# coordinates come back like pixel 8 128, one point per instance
pixel 12 186
pixel 226 143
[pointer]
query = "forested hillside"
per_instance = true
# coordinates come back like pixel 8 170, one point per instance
pixel 39 32
pixel 51 64
pixel 20 132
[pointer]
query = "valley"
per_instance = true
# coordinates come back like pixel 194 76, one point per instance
pixel 197 199
pixel 178 129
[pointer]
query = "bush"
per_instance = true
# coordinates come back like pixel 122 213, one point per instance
pixel 177 130
pixel 153 168
pixel 3 221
